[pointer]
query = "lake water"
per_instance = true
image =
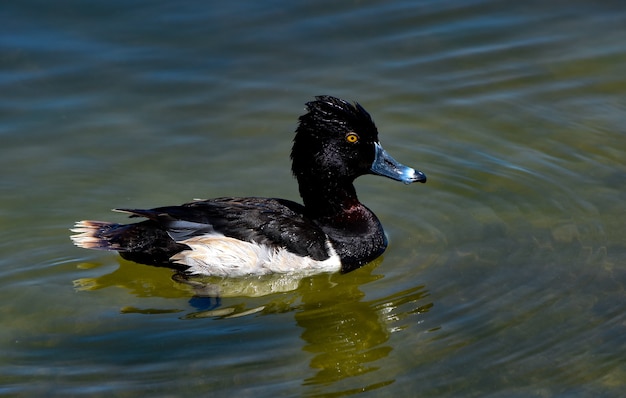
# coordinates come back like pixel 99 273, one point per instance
pixel 505 275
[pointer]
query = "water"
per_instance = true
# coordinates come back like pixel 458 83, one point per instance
pixel 505 274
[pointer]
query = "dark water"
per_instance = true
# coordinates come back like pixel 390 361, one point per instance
pixel 506 272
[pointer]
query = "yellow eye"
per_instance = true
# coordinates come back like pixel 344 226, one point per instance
pixel 352 137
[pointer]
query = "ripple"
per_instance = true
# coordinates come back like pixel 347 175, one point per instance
pixel 504 274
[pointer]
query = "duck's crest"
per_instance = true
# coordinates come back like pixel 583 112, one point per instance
pixel 329 109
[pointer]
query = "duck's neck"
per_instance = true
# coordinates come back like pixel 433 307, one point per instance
pixel 356 233
pixel 328 200
pixel 334 206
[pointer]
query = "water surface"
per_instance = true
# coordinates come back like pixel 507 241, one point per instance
pixel 505 274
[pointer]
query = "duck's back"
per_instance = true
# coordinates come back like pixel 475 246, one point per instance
pixel 223 236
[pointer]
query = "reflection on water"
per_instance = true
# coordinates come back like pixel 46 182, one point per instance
pixel 140 280
pixel 146 281
pixel 346 334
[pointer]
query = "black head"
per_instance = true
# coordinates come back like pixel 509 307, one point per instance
pixel 334 136
pixel 337 140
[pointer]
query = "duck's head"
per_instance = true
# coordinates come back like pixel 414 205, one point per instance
pixel 337 140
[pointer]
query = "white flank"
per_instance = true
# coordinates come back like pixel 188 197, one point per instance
pixel 219 255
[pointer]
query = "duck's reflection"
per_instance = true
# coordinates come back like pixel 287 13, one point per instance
pixel 149 281
pixel 346 334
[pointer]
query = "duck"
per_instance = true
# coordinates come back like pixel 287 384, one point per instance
pixel 335 142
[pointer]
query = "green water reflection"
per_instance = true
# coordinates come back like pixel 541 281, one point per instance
pixel 345 334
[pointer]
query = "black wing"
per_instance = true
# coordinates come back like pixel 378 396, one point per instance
pixel 272 222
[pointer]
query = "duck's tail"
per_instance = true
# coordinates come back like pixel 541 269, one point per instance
pixel 99 235
pixel 144 242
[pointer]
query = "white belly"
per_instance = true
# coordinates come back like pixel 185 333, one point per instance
pixel 219 255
